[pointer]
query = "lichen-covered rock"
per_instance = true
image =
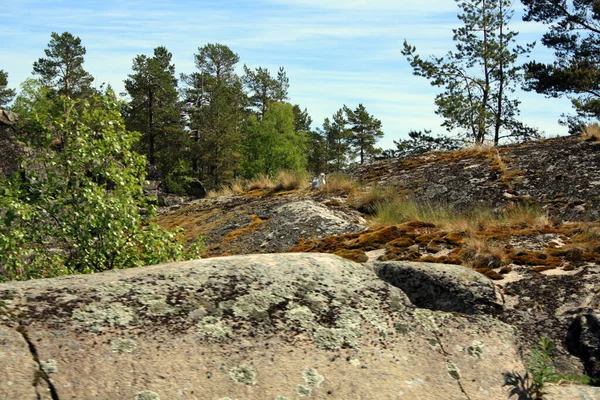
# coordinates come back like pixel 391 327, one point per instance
pixel 243 327
pixel 571 392
pixel 441 287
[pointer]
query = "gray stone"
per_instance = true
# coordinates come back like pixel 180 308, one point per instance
pixel 441 287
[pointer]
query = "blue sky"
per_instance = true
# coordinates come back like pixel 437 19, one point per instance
pixel 335 52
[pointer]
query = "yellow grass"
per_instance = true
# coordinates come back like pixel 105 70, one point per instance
pixel 591 132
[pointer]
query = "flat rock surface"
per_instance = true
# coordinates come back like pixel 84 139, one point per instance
pixel 283 326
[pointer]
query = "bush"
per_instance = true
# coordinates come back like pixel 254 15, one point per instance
pixel 75 206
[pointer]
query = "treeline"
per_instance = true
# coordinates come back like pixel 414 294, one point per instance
pixel 211 124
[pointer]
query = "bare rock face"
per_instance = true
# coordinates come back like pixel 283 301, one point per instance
pixel 283 326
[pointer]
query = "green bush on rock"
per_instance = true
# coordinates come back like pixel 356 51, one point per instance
pixel 76 205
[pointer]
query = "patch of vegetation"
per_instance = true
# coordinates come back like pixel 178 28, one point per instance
pixel 243 374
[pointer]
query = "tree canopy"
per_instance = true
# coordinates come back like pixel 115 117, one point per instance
pixel 62 68
pixel 479 74
pixel 75 204
pixel 574 35
pixel 6 94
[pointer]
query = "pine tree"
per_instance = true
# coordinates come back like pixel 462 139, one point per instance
pixel 479 76
pixel 574 34
pixel 6 94
pixel 215 104
pixel 337 137
pixel 154 109
pixel 263 88
pixel 366 131
pixel 62 69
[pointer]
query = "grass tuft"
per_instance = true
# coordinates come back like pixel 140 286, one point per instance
pixel 591 132
pixel 291 180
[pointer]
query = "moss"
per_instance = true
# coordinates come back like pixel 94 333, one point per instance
pixel 156 305
pixel 114 289
pixel 255 223
pixel 213 329
pixel 431 320
pixel 401 328
pixel 352 255
pixel 49 366
pixel 312 377
pixel 452 370
pixel 96 315
pixel 404 241
pixel 123 346
pixel 303 390
pixel 475 350
pixel 355 362
pixel 147 395
pixel 329 338
pixel 243 374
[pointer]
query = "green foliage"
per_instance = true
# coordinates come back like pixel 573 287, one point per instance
pixel 540 364
pixel 265 89
pixel 62 69
pixel 365 132
pixel 478 77
pixel 574 34
pixel 6 94
pixel 422 141
pixel 215 103
pixel 272 144
pixel 154 110
pixel 77 205
pixel 337 137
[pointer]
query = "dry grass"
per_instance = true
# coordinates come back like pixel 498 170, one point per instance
pixel 261 182
pixel 291 180
pixel 340 184
pixel 591 132
pixel 478 253
pixel 370 200
pixel 398 210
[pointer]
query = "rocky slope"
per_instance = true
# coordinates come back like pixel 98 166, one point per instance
pixel 394 318
pixel 561 174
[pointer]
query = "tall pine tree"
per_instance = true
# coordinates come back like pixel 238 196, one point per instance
pixel 6 94
pixel 365 132
pixel 574 35
pixel 154 109
pixel 215 103
pixel 479 75
pixel 62 68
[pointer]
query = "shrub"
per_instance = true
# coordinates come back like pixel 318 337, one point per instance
pixel 75 205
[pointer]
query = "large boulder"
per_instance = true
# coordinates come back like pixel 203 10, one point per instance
pixel 442 287
pixel 283 326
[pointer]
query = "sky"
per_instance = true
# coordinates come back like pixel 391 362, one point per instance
pixel 335 52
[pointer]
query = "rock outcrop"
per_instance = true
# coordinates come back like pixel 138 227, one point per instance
pixel 262 223
pixel 562 175
pixel 283 326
